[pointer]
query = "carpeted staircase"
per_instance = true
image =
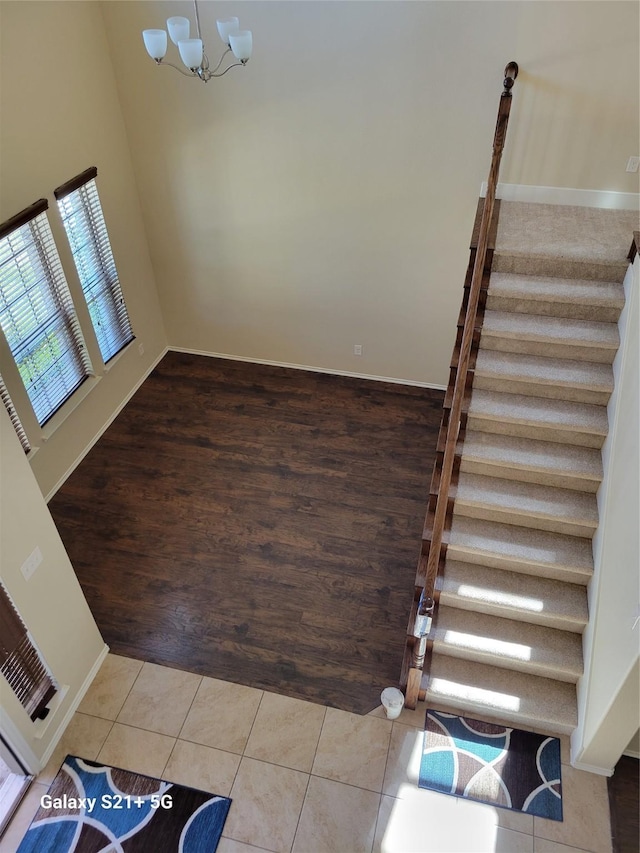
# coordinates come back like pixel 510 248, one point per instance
pixel 507 643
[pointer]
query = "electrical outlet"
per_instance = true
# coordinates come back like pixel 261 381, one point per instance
pixel 31 563
pixel 357 349
pixel 633 163
pixel 141 349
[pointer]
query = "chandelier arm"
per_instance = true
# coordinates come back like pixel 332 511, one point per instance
pixel 162 64
pixel 221 61
pixel 235 65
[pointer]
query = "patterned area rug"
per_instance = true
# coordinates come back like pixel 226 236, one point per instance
pixel 492 764
pixel 91 808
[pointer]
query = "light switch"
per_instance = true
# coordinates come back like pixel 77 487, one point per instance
pixel 31 563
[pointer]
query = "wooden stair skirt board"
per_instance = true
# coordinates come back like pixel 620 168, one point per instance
pixel 512 596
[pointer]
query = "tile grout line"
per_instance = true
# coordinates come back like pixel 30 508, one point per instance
pixel 375 825
pixel 133 684
pixel 242 755
pixel 304 800
pixel 177 737
pixel 309 774
pixel 253 722
pixel 113 722
pixel 382 794
pixel 386 763
pixel 124 702
pixel 315 752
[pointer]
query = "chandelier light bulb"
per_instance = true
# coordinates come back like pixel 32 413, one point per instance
pixel 178 28
pixel 241 44
pixel 155 42
pixel 226 26
pixel 191 52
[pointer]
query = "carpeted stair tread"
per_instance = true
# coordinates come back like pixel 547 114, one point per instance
pixel 545 330
pixel 508 643
pixel 558 378
pixel 549 296
pixel 566 232
pixel 520 549
pixel 491 692
pixel 549 266
pixel 562 420
pixel 543 462
pixel 527 504
pixel 513 595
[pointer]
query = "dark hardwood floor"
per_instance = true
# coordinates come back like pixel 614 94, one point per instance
pixel 624 802
pixel 257 524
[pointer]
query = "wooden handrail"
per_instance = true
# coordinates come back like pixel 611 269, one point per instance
pixel 427 599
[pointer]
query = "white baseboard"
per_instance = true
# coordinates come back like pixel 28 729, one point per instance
pixel 349 373
pixel 630 753
pixel 18 744
pixel 73 707
pixel 104 427
pixel 591 768
pixel 566 195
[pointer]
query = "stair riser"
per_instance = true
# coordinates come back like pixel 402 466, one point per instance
pixel 484 711
pixel 504 612
pixel 561 479
pixel 520 518
pixel 510 664
pixel 541 308
pixel 536 431
pixel 496 343
pixel 569 574
pixel 552 267
pixel 535 388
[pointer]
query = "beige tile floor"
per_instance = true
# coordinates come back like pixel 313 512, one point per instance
pixel 303 778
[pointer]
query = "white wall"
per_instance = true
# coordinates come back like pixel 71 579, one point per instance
pixel 60 115
pixel 608 697
pixel 51 603
pixel 633 747
pixel 324 195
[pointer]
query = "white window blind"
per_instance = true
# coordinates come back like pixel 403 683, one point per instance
pixel 21 663
pixel 37 314
pixel 87 232
pixel 15 420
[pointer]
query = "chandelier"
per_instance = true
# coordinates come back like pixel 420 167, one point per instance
pixel 239 43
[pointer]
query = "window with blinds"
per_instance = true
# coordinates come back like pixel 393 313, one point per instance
pixel 15 420
pixel 87 232
pixel 37 314
pixel 21 663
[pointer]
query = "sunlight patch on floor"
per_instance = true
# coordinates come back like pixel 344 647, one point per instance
pixel 422 821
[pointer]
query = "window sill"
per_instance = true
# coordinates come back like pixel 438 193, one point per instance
pixel 116 358
pixel 71 405
pixel 47 431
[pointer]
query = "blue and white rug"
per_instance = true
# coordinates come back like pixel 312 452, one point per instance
pixel 493 764
pixel 90 808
